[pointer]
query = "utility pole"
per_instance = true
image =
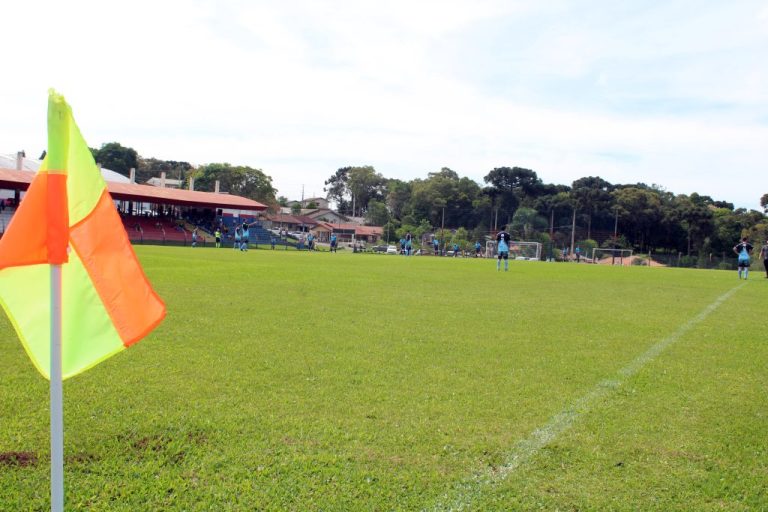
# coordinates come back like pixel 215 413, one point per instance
pixel 573 232
pixel 442 228
pixel 615 226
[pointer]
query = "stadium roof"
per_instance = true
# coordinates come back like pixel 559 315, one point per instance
pixel 8 161
pixel 20 180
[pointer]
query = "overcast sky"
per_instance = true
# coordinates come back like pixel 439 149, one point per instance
pixel 669 92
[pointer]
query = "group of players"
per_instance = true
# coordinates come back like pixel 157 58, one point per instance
pixel 743 249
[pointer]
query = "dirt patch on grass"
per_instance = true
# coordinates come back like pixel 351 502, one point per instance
pixel 18 459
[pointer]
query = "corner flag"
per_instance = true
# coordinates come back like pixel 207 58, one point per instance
pixel 68 218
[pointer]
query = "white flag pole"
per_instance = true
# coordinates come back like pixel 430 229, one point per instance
pixel 57 396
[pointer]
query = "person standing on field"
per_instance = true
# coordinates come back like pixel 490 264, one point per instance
pixel 743 249
pixel 245 236
pixel 237 238
pixel 764 255
pixel 217 235
pixel 333 242
pixel 502 246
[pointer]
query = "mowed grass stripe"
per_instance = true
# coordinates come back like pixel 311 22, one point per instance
pixel 527 448
pixel 295 381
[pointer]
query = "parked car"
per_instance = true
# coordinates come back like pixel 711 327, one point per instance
pixel 391 249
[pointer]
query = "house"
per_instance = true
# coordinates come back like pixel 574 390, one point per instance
pixel 325 215
pixel 319 202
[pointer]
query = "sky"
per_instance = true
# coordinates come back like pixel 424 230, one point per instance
pixel 672 93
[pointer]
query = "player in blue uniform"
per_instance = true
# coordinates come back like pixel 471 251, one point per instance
pixel 237 238
pixel 743 249
pixel 244 237
pixel 333 242
pixel 502 244
pixel 478 248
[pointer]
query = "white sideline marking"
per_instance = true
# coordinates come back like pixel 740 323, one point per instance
pixel 466 492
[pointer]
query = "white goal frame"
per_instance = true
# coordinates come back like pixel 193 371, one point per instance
pixel 617 254
pixel 516 248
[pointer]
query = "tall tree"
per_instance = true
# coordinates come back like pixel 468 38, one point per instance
pixel 639 209
pixel 591 194
pixel 152 167
pixel 513 186
pixel 336 188
pixel 240 180
pixel 116 157
pixel 365 185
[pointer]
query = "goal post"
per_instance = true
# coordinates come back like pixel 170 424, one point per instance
pixel 518 250
pixel 612 256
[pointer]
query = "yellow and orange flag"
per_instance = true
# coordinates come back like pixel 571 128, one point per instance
pixel 68 218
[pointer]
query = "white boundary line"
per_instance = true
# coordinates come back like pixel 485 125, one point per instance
pixel 463 494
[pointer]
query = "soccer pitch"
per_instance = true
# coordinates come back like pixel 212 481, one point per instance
pixel 313 381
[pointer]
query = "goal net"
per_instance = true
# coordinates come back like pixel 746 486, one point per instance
pixel 612 256
pixel 518 250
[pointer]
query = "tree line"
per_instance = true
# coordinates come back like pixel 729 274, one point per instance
pixel 640 216
pixel 240 180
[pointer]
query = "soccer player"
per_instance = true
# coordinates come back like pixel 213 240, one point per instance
pixel 764 255
pixel 478 247
pixel 244 236
pixel 436 245
pixel 743 249
pixel 237 238
pixel 408 243
pixel 194 237
pixel 311 242
pixel 333 242
pixel 502 245
pixel 217 234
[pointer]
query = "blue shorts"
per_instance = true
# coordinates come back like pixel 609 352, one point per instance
pixel 744 262
pixel 504 254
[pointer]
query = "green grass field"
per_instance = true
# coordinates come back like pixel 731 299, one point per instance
pixel 295 381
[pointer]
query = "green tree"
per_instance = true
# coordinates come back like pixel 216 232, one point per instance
pixel 239 180
pixel 696 219
pixel 591 194
pixel 336 189
pixel 513 186
pixel 639 209
pixel 526 222
pixel 352 188
pixel 116 157
pixel 376 213
pixel 398 197
pixel 152 167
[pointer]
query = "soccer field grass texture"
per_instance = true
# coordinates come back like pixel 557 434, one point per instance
pixel 295 381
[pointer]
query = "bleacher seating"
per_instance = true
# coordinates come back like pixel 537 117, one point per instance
pixel 154 230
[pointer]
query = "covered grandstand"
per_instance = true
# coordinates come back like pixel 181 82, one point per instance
pixel 153 214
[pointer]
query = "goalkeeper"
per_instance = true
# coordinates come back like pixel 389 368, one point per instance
pixel 502 245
